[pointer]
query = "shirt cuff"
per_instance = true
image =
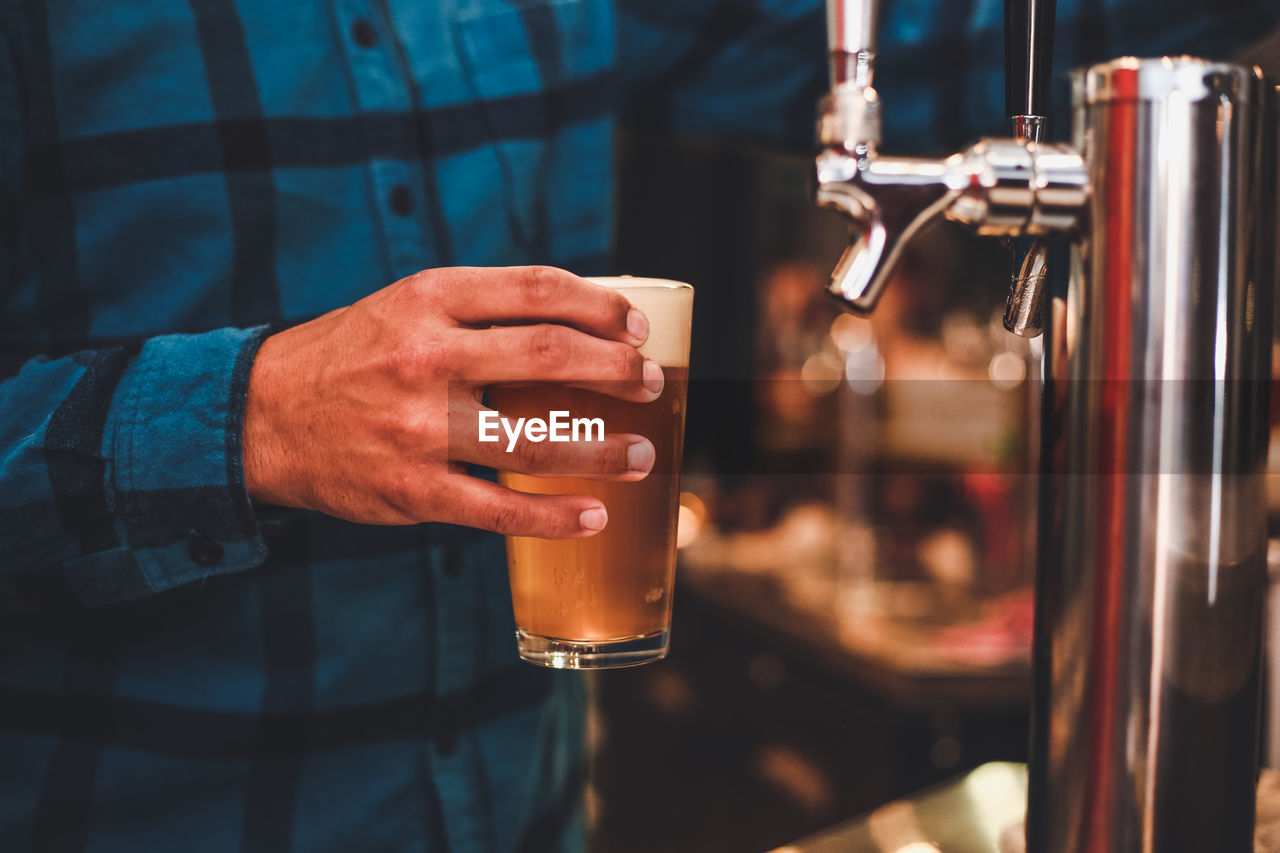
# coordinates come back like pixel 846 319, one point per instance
pixel 177 419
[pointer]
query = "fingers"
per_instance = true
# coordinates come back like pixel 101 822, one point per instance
pixel 488 506
pixel 520 295
pixel 480 437
pixel 550 353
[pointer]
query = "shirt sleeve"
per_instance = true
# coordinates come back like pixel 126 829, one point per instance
pixel 121 471
pixel 120 467
pixel 754 69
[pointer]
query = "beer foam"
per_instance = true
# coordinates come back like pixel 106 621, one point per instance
pixel 669 307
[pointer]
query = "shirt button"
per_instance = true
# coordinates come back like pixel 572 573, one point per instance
pixel 401 200
pixel 203 551
pixel 364 33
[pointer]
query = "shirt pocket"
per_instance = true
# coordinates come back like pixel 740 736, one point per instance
pixel 512 48
pixel 538 69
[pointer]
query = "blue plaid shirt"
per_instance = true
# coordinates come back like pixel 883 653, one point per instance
pixel 183 670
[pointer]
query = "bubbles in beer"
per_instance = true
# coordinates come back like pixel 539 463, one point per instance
pixel 620 577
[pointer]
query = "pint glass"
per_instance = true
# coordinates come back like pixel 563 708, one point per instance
pixel 605 601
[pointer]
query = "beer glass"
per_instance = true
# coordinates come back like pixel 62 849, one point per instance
pixel 605 601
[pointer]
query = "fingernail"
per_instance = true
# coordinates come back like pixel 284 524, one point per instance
pixel 640 456
pixel 593 519
pixel 653 376
pixel 638 325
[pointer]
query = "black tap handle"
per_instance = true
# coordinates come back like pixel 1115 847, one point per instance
pixel 1028 55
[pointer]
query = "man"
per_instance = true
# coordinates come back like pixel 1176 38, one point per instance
pixel 225 627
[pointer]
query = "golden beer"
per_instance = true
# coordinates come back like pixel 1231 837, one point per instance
pixel 605 600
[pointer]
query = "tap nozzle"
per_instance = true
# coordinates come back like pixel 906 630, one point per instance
pixel 1024 308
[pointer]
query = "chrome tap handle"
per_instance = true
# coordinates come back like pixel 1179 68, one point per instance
pixel 1028 62
pixel 851 40
pixel 849 116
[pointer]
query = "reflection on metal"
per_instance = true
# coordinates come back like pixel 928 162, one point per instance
pixel 1151 569
pixel 1152 558
pixel 1029 128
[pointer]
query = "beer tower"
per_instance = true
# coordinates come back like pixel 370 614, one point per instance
pixel 1151 548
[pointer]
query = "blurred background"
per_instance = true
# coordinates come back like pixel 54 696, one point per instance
pixel 857 535
pixel 853 608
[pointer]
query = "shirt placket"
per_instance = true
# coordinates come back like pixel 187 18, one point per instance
pixel 385 100
pixel 455 759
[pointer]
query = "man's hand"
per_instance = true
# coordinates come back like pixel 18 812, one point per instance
pixel 349 414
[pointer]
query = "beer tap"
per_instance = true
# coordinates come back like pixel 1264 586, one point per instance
pixel 998 187
pixel 1152 538
pixel 1028 60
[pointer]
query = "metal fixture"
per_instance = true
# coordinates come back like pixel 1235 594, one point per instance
pixel 1028 58
pixel 1000 187
pixel 1151 572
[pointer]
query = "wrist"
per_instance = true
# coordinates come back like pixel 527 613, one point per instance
pixel 262 446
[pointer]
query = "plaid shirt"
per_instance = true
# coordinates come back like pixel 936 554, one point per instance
pixel 183 670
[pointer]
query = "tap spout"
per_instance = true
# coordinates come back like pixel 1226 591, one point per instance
pixel 883 216
pixel 1024 307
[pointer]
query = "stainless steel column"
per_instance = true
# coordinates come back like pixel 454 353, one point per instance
pixel 1152 570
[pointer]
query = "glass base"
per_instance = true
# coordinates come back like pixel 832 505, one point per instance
pixel 592 654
